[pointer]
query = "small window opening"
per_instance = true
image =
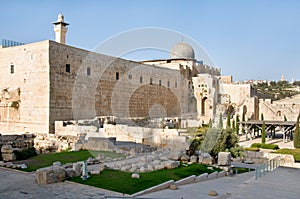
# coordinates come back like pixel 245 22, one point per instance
pixel 12 69
pixel 68 68
pixel 88 71
pixel 159 82
pixel 117 75
pixel 150 81
pixel 141 79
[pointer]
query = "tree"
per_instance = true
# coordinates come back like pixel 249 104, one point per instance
pixel 243 126
pixel 221 121
pixel 237 125
pixel 228 124
pixel 263 133
pixel 297 133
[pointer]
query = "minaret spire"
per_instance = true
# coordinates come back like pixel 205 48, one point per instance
pixel 60 29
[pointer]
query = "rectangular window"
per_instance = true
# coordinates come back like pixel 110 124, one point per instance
pixel 168 84
pixel 159 82
pixel 117 75
pixel 12 69
pixel 150 81
pixel 129 76
pixel 88 71
pixel 141 79
pixel 175 84
pixel 68 68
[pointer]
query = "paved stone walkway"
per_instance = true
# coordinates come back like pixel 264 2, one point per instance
pixel 17 185
pixel 281 183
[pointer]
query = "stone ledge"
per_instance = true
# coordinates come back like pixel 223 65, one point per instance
pixel 201 177
pixel 159 187
pixel 187 180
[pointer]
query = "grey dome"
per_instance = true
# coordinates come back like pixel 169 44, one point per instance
pixel 182 50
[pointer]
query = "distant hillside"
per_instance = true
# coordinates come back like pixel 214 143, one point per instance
pixel 278 90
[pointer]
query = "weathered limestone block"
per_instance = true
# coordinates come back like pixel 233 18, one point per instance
pixel 224 158
pixel 7 149
pixel 207 160
pixel 171 164
pixel 150 167
pixel 77 168
pixel 185 158
pixel 159 166
pixel 70 173
pixel 187 180
pixel 7 157
pixel 201 177
pixel 175 155
pixel 194 159
pixel 50 175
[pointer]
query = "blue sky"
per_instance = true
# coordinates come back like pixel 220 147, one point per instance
pixel 249 39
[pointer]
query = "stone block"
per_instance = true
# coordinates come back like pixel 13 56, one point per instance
pixel 50 175
pixel 7 149
pixel 7 157
pixel 171 164
pixel 224 158
pixel 102 167
pixel 95 172
pixel 57 163
pixel 175 155
pixel 201 177
pixel 159 166
pixel 185 158
pixel 194 159
pixel 77 168
pixel 200 159
pixel 187 180
pixel 213 175
pixel 70 173
pixel 207 160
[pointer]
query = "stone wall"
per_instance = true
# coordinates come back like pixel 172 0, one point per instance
pixel 25 71
pixel 277 110
pixel 113 87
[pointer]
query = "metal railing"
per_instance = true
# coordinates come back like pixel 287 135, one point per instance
pixel 269 166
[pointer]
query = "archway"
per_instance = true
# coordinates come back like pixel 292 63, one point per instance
pixel 203 105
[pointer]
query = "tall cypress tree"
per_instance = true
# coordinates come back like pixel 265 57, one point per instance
pixel 263 133
pixel 221 121
pixel 237 126
pixel 297 133
pixel 243 126
pixel 228 125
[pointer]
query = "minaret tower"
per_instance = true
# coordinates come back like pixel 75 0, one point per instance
pixel 60 29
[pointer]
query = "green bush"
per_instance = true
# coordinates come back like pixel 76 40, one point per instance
pixel 265 146
pixel 251 149
pixel 25 154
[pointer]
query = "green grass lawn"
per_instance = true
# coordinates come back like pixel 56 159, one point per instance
pixel 294 152
pixel 45 160
pixel 123 183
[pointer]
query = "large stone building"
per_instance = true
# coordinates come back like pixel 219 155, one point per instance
pixel 49 81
